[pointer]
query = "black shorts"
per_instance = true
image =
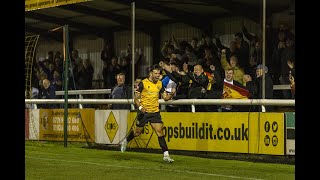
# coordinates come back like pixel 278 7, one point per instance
pixel 144 118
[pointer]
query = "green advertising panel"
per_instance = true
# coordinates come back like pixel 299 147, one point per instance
pixel 290 133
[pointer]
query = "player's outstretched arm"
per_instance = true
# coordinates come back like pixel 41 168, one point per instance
pixel 167 96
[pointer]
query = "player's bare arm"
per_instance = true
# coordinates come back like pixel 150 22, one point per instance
pixel 137 97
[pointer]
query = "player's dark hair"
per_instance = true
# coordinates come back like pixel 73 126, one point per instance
pixel 153 67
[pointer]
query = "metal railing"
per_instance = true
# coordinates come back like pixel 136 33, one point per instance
pixel 88 91
pixel 192 102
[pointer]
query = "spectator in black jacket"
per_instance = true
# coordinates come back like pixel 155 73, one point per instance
pixel 214 88
pixel 255 86
pixel 84 75
pixel 198 85
pixel 47 91
pixel 243 47
pixel 178 76
pixel 196 82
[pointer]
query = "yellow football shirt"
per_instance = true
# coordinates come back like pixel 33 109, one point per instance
pixel 150 95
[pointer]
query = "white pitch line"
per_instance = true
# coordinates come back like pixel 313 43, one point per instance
pixel 178 171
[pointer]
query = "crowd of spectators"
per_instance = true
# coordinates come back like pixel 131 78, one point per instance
pixel 201 69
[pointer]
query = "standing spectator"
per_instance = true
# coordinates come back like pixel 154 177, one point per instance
pixel 85 75
pixel 136 83
pixel 215 87
pixel 199 82
pixel 277 54
pixel 195 47
pixel 110 71
pixel 253 65
pixel 138 59
pixel 47 91
pixel 288 54
pixel 121 91
pixel 207 42
pixel 232 89
pixel 238 72
pixel 255 86
pixel 57 54
pixel 45 67
pixel 50 57
pixel 179 76
pixel 106 53
pixel 292 73
pixel 57 81
pixel 126 69
pixel 75 64
pixel 251 37
pixel 165 67
pixel 171 86
pixel 292 86
pixel 58 64
pixel 191 55
pixel 209 60
pixel 75 59
pixel 243 47
pixel 233 50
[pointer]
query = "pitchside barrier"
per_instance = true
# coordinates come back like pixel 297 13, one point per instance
pixel 238 132
pixel 108 91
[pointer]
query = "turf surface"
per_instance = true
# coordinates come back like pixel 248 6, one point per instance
pixel 54 161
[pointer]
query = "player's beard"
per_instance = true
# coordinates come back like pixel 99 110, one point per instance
pixel 155 79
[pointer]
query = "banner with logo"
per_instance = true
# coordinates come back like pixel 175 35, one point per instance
pixel 80 125
pixel 260 133
pixel 41 4
pixel 110 126
pixel 271 133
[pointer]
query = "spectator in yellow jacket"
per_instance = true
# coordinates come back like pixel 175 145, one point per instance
pixel 234 64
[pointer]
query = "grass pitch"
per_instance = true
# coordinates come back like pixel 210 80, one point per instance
pixel 50 161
